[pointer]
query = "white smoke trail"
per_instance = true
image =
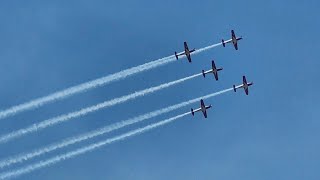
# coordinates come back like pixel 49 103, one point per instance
pixel 85 149
pixel 26 156
pixel 36 103
pixel 83 87
pixel 66 117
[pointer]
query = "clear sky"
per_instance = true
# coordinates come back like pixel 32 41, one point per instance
pixel 271 134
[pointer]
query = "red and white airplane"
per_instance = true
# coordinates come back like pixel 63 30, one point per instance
pixel 214 70
pixel 234 39
pixel 202 108
pixel 244 85
pixel 186 52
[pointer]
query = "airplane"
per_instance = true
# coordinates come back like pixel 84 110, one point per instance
pixel 202 108
pixel 186 52
pixel 214 70
pixel 234 40
pixel 244 85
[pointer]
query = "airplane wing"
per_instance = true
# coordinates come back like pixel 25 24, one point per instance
pixel 213 65
pixel 189 57
pixel 203 108
pixel 233 34
pixel 235 45
pixel 234 39
pixel 215 73
pixel 247 91
pixel 244 80
pixel 202 103
pixel 186 46
pixel 205 113
pixel 214 68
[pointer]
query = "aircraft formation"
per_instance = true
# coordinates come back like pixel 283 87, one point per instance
pixel 214 70
pixel 83 87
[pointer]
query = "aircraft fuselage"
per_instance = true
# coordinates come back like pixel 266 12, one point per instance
pixel 234 40
pixel 246 85
pixel 203 108
pixel 187 52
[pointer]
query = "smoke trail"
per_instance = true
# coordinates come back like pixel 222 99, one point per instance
pixel 66 117
pixel 101 131
pixel 71 154
pixel 36 103
pixel 83 87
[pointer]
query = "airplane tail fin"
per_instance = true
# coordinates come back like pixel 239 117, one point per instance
pixel 175 53
pixel 192 112
pixel 223 43
pixel 203 74
pixel 234 88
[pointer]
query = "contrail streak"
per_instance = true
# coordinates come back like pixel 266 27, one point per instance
pixel 66 117
pixel 85 149
pixel 38 102
pixel 26 156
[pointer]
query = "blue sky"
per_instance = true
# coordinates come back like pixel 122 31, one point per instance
pixel 270 134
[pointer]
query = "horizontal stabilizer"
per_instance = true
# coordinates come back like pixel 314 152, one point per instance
pixel 203 74
pixel 223 43
pixel 175 53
